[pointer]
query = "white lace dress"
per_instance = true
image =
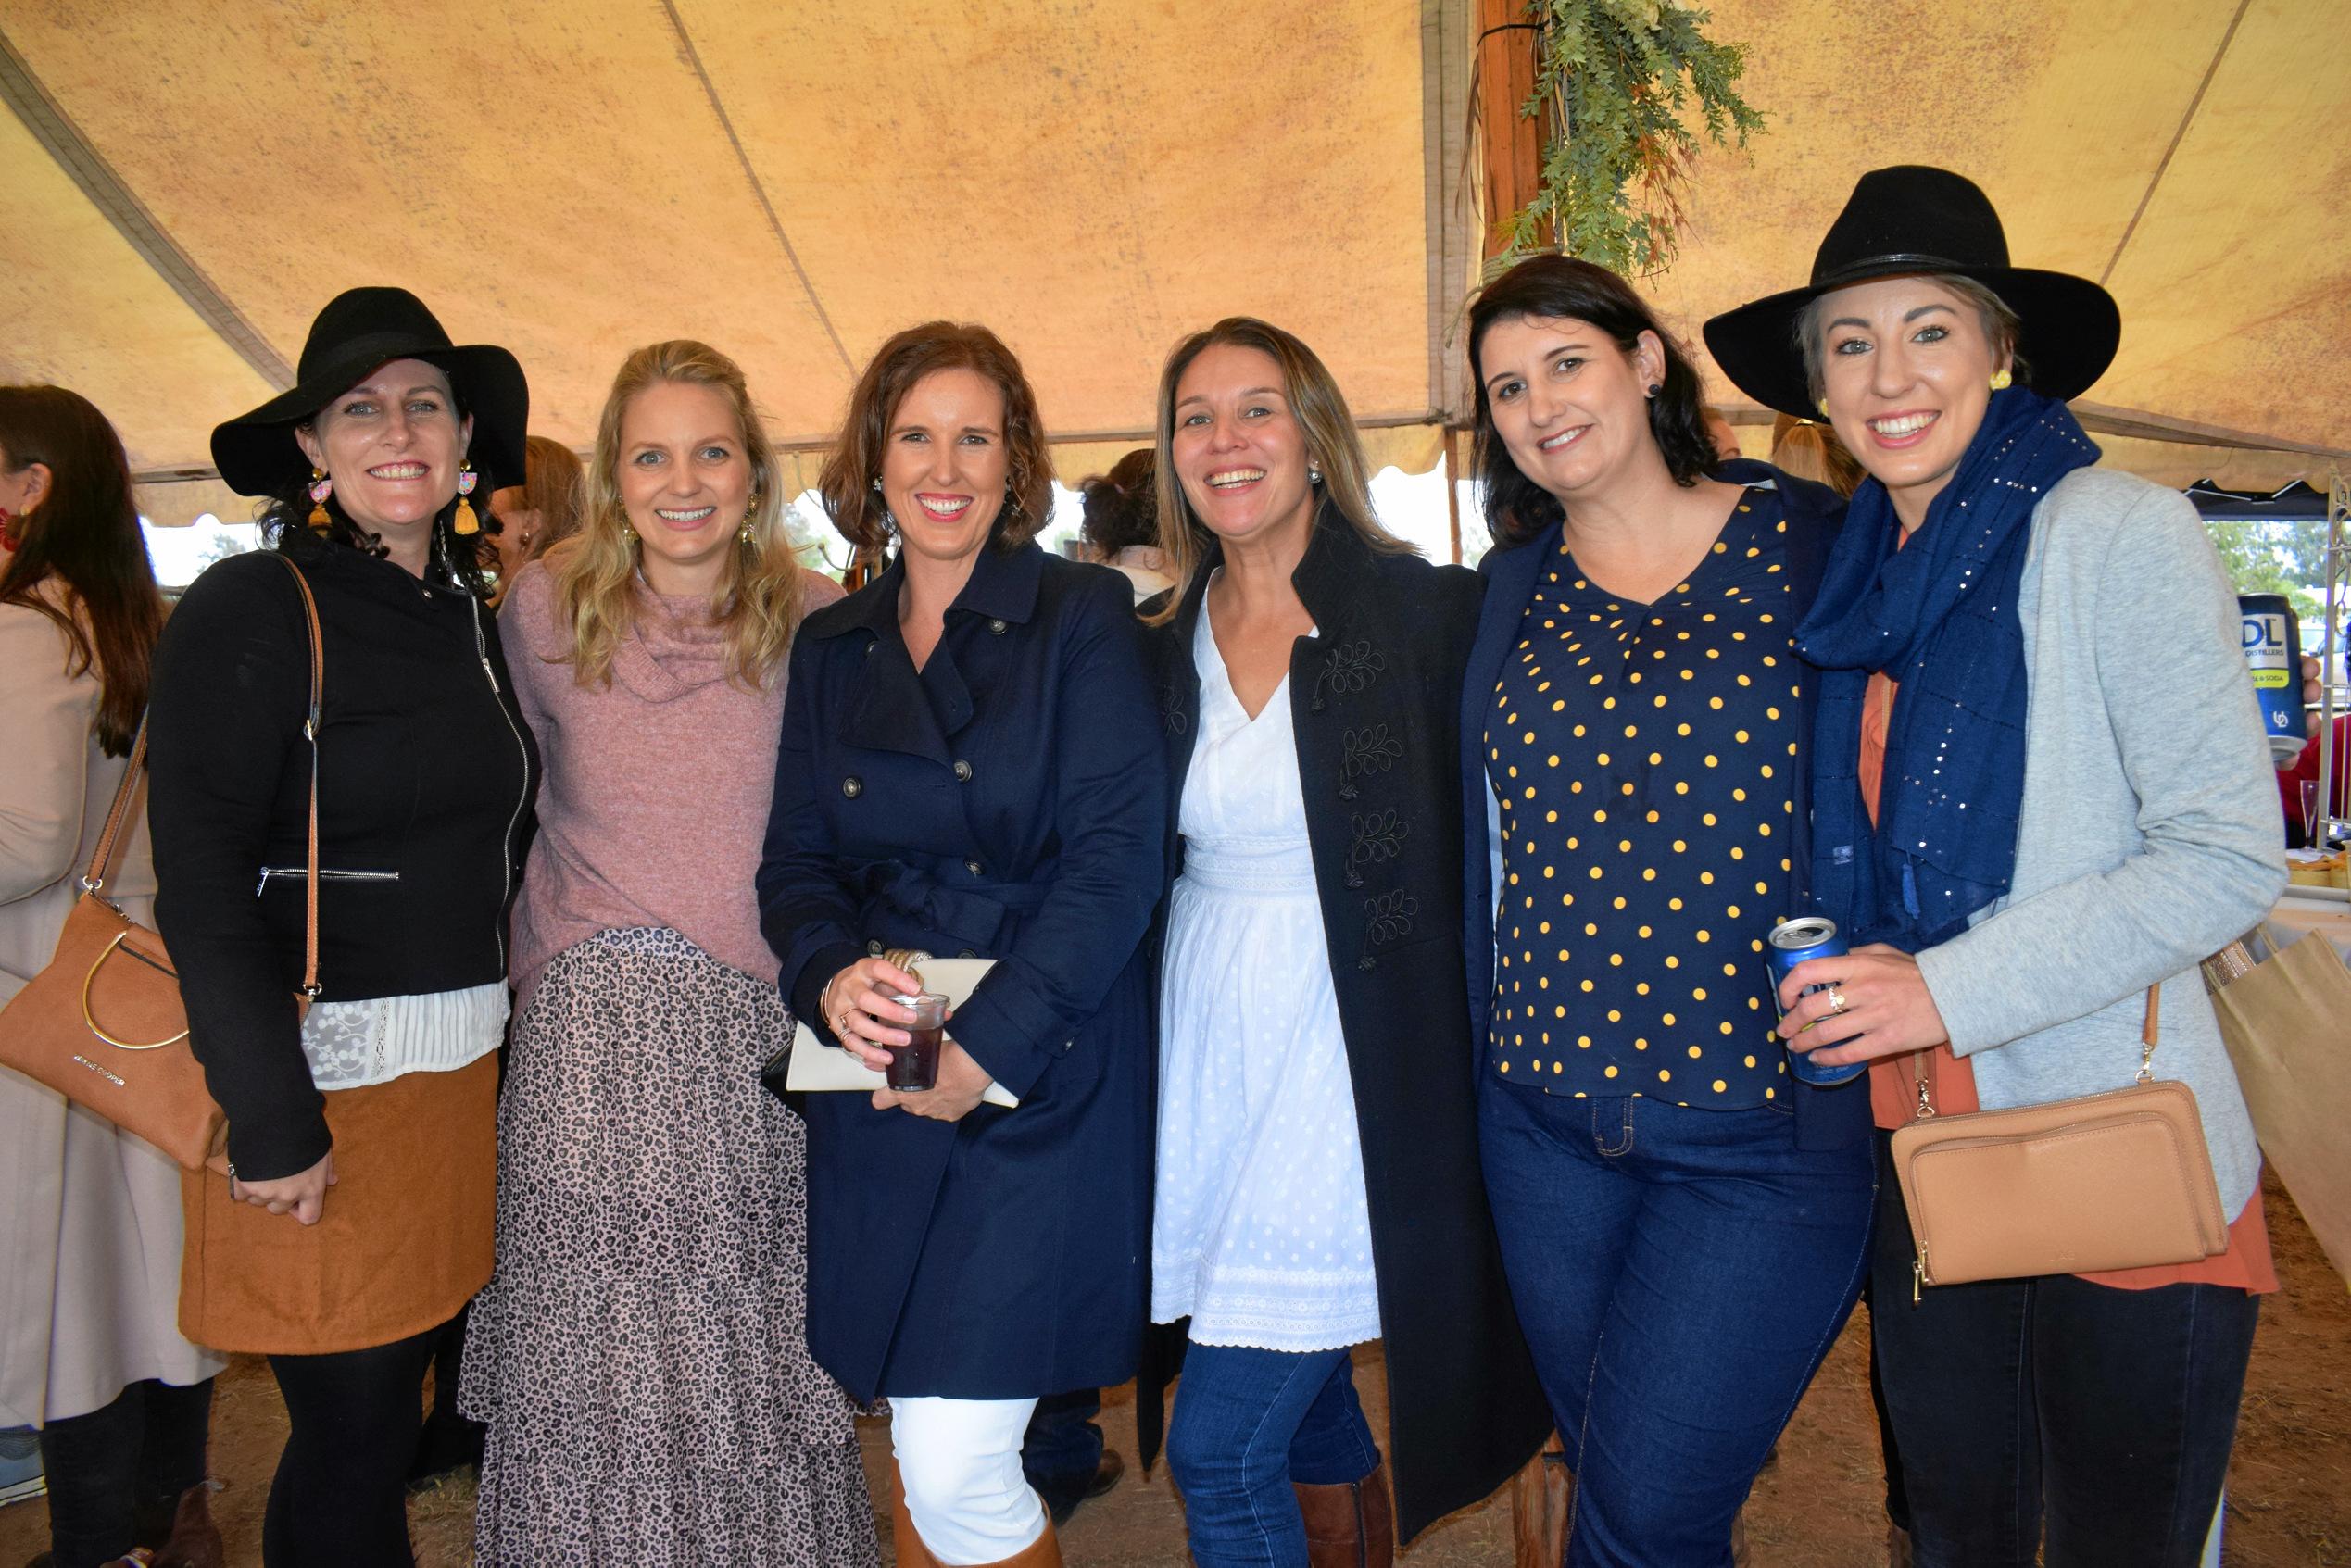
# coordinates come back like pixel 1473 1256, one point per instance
pixel 1262 1234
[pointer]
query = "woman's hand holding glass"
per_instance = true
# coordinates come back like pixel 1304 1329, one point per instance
pixel 861 1008
pixel 1873 1002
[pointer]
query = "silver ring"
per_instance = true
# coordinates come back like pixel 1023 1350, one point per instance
pixel 1837 1004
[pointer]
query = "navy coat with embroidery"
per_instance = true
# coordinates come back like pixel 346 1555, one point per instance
pixel 1375 702
pixel 1006 801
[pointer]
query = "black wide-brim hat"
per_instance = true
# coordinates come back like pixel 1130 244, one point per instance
pixel 1908 219
pixel 359 330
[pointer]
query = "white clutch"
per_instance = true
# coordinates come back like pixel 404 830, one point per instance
pixel 816 1067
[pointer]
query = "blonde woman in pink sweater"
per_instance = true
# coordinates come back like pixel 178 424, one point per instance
pixel 638 1353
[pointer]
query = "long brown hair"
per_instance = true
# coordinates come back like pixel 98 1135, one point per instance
pixel 1321 410
pixel 86 535
pixel 760 600
pixel 846 482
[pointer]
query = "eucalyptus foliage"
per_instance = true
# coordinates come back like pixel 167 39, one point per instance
pixel 1615 87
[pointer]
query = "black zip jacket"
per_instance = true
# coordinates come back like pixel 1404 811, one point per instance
pixel 426 774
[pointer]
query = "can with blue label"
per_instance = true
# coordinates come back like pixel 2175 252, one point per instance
pixel 2273 653
pixel 1790 943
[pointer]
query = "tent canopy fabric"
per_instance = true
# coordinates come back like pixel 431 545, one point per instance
pixel 190 180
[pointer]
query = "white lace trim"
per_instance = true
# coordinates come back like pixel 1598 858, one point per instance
pixel 352 1045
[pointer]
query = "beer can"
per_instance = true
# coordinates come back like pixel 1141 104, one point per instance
pixel 1789 944
pixel 2272 637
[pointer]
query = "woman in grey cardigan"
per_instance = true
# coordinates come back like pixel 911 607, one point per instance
pixel 2040 787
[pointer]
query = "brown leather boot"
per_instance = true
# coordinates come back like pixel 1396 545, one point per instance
pixel 904 1543
pixel 194 1541
pixel 1351 1525
pixel 1045 1551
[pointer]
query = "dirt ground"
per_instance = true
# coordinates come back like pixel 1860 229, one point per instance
pixel 1818 1507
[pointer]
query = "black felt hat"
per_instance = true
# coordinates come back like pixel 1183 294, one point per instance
pixel 1908 219
pixel 359 330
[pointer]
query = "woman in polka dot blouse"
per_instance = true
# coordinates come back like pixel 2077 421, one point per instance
pixel 1635 721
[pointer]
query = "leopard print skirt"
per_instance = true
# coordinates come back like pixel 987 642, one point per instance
pixel 639 1353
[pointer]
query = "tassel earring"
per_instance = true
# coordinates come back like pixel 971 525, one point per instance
pixel 321 488
pixel 465 521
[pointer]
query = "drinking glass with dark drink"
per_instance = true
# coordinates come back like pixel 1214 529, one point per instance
pixel 914 1066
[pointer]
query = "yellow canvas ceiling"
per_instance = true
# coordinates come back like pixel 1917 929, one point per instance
pixel 188 181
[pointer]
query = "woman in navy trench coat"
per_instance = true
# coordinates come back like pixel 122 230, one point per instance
pixel 998 794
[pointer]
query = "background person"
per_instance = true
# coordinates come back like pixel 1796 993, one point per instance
pixel 1685 1227
pixel 526 520
pixel 2019 834
pixel 1122 522
pixel 361 1137
pixel 1808 449
pixel 90 1352
pixel 1317 1182
pixel 969 766
pixel 639 1354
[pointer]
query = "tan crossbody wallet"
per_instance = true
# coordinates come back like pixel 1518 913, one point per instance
pixel 2120 1180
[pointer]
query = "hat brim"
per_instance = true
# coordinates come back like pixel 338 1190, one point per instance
pixel 256 453
pixel 2070 329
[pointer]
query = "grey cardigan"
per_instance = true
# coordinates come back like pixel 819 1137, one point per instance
pixel 2150 834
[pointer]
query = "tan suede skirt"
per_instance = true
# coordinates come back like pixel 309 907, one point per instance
pixel 404 1241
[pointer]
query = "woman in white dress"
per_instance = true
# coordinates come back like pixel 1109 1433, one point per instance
pixel 1316 1177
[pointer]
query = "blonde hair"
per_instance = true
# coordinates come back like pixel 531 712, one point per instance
pixel 759 600
pixel 1324 419
pixel 1807 450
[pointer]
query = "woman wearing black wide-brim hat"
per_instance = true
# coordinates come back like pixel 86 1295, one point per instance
pixel 2040 786
pixel 356 1218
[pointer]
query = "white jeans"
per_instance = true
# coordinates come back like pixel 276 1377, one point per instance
pixel 960 1461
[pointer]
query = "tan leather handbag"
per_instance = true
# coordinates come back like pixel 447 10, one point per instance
pixel 103 1023
pixel 2120 1180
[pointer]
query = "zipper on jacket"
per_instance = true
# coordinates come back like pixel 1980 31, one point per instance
pixel 506 844
pixel 326 873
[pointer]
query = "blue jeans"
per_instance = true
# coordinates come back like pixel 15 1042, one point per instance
pixel 1679 1274
pixel 1246 1424
pixel 1064 1445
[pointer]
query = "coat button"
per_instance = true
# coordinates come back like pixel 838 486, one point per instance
pixel 996 628
pixel 962 771
pixel 1366 963
pixel 873 948
pixel 967 953
pixel 853 787
pixel 973 867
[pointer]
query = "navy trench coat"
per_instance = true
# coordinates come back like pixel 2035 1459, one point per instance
pixel 1006 801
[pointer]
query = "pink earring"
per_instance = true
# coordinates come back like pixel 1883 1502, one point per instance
pixel 321 488
pixel 464 522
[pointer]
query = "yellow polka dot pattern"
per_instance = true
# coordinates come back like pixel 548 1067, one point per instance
pixel 1644 757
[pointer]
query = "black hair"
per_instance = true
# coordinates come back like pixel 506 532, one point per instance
pixel 1561 288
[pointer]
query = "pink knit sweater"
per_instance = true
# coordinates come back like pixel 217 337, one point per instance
pixel 655 805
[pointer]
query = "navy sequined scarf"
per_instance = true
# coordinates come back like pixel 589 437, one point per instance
pixel 1940 617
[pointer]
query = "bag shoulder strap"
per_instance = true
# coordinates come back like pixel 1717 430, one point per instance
pixel 1921 1070
pixel 310 733
pixel 102 858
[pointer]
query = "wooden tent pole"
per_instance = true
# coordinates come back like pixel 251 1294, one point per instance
pixel 1511 154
